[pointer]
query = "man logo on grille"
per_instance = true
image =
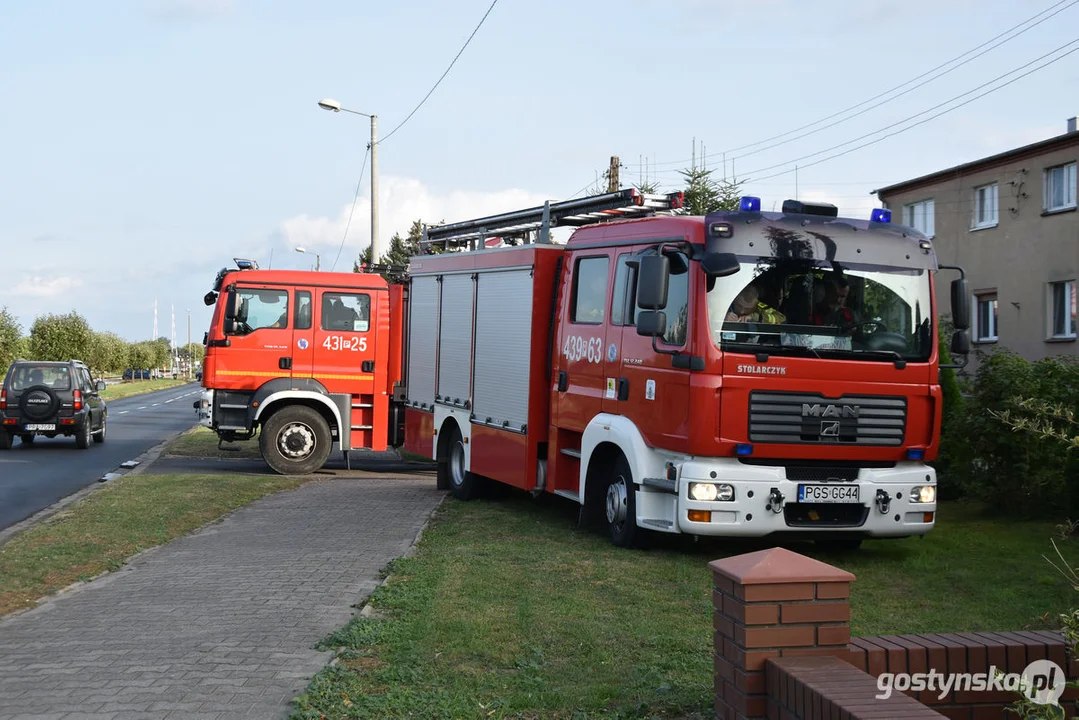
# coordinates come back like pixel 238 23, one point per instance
pixel 829 429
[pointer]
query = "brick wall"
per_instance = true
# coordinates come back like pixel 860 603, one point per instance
pixel 782 622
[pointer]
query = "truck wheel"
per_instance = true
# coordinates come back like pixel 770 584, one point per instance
pixel 100 437
pixel 5 440
pixel 295 441
pixel 463 484
pixel 620 505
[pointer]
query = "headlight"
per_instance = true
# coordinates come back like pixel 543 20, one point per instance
pixel 707 492
pixel 923 494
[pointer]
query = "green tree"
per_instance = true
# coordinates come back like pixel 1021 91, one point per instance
pixel 12 343
pixel 194 352
pixel 60 337
pixel 398 255
pixel 705 194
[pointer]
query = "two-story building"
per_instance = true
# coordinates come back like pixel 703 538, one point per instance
pixel 1010 221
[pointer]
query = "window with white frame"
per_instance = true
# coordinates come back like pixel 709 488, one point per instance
pixel 1062 309
pixel 985 317
pixel 920 216
pixel 1059 187
pixel 984 207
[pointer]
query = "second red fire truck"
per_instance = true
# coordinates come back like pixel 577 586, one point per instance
pixel 741 373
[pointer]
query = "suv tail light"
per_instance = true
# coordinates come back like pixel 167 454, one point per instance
pixel 3 399
pixel 78 400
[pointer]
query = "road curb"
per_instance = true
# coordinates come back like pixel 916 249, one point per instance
pixel 144 462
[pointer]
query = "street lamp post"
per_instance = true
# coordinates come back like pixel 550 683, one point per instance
pixel 318 258
pixel 329 104
pixel 189 344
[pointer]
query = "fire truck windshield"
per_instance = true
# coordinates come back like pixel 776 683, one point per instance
pixel 799 307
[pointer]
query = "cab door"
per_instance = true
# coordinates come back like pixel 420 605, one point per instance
pixel 657 397
pixel 582 386
pixel 260 345
pixel 344 340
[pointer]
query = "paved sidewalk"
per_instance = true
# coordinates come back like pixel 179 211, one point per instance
pixel 219 624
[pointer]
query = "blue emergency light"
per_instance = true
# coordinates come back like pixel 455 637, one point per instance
pixel 915 453
pixel 743 448
pixel 750 204
pixel 881 215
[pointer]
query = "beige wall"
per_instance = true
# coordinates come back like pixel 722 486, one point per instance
pixel 1018 258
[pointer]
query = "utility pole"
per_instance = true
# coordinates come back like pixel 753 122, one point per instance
pixel 612 175
pixel 376 247
pixel 189 344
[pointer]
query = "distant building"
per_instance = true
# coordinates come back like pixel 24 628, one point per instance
pixel 1010 221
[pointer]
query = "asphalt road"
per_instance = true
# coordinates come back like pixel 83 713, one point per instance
pixel 34 477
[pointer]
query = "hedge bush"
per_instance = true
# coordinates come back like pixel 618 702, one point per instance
pixel 1018 472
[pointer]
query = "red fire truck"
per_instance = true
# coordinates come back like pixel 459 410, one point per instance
pixel 742 373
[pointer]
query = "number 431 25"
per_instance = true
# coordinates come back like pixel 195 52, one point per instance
pixel 340 342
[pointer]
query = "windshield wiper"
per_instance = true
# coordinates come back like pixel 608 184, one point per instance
pixel 899 360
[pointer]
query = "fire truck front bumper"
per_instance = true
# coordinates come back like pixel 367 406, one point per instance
pixel 726 497
pixel 204 408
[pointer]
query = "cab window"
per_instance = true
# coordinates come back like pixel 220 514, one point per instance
pixel 302 320
pixel 624 296
pixel 677 307
pixel 589 290
pixel 348 312
pixel 265 309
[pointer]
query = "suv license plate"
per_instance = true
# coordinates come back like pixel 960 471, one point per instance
pixel 40 427
pixel 828 493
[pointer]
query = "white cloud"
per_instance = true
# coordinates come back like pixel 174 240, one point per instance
pixel 401 202
pixel 44 287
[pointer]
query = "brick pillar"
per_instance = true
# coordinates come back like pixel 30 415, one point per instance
pixel 772 603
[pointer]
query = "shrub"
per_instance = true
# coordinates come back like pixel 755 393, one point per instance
pixel 996 449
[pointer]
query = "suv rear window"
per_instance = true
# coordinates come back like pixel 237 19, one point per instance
pixel 57 377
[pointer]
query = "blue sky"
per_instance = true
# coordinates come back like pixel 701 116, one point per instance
pixel 145 143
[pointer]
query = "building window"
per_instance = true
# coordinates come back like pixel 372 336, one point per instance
pixel 920 216
pixel 1062 309
pixel 985 318
pixel 1060 187
pixel 984 207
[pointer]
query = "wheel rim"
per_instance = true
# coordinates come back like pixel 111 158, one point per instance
pixel 617 503
pixel 296 441
pixel 457 463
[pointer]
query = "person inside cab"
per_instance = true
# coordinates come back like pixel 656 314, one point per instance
pixel 749 307
pixel 833 309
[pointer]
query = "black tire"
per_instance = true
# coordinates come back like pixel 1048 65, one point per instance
pixel 839 543
pixel 5 440
pixel 100 436
pixel 295 440
pixel 83 435
pixel 620 506
pixel 463 484
pixel 27 439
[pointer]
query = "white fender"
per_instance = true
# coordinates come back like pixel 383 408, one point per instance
pixel 621 431
pixel 305 395
pixel 464 423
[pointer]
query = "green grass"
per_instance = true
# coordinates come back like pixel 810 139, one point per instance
pixel 201 442
pixel 508 610
pixel 131 514
pixel 130 388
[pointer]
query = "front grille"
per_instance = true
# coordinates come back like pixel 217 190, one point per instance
pixel 803 418
pixel 836 515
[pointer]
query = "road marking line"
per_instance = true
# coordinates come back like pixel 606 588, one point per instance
pixel 122 412
pixel 142 408
pixel 156 404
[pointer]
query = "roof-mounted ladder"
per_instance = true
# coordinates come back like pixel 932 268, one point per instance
pixel 534 224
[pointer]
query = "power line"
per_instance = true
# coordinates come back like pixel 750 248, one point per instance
pixel 922 122
pixel 390 134
pixel 897 87
pixel 354 199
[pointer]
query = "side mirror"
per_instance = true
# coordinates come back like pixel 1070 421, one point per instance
pixel 209 298
pixel 100 385
pixel 652 280
pixel 960 304
pixel 230 327
pixel 232 305
pixel 720 264
pixel 652 323
pixel 960 342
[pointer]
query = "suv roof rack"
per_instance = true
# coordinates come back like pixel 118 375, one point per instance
pixel 533 225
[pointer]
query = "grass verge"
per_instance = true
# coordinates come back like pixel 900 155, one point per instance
pixel 139 387
pixel 508 610
pixel 201 442
pixel 100 532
